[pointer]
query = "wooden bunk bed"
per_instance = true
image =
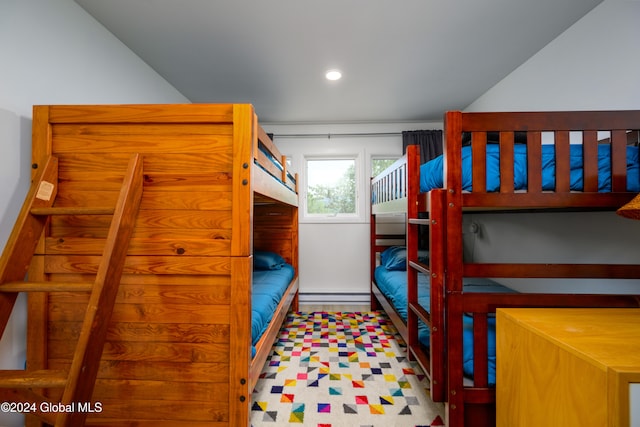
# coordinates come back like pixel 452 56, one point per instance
pixel 435 214
pixel 215 188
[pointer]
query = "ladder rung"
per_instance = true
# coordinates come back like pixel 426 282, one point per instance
pixel 72 211
pixel 422 268
pixel 33 379
pixel 419 221
pixel 46 287
pixel 420 312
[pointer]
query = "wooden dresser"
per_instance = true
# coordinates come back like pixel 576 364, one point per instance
pixel 568 367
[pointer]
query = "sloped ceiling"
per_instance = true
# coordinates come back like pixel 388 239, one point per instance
pixel 405 60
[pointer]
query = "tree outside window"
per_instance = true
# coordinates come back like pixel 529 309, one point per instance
pixel 331 187
pixel 378 165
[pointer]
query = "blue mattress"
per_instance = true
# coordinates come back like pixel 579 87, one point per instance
pixel 393 284
pixel 431 173
pixel 267 290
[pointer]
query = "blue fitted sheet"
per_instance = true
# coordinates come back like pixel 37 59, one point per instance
pixel 267 290
pixel 431 173
pixel 393 284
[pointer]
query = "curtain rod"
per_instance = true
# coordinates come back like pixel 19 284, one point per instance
pixel 334 135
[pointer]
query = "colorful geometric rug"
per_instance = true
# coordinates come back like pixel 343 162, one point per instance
pixel 342 369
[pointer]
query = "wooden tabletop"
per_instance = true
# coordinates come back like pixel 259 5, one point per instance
pixel 607 336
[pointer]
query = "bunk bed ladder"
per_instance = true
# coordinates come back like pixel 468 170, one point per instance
pixel 28 388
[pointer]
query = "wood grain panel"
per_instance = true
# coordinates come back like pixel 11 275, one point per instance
pixel 164 410
pixel 157 224
pixel 37 319
pixel 158 313
pixel 152 138
pixel 186 293
pixel 212 181
pixel 96 198
pixel 150 371
pixel 240 321
pixel 163 390
pixel 105 163
pixel 147 332
pixel 176 218
pixel 147 281
pixel 141 265
pixel 171 371
pixel 88 181
pixel 545 120
pixel 196 200
pixel 141 113
pixel 148 246
pixel 216 160
pixel 283 248
pixel 561 361
pixel 161 131
pixel 275 229
pixel 149 351
pixel 119 422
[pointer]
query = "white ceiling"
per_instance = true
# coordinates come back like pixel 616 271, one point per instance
pixel 403 60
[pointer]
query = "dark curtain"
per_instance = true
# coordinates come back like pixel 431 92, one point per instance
pixel 429 141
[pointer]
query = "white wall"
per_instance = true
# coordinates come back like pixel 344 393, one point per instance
pixel 583 238
pixel 592 66
pixel 54 53
pixel 334 257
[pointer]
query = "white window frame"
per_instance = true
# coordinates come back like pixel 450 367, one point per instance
pixel 336 218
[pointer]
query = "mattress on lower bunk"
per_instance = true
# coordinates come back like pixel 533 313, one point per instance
pixel 431 172
pixel 268 288
pixel 393 285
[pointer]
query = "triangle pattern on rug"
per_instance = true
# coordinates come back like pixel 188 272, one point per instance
pixel 332 369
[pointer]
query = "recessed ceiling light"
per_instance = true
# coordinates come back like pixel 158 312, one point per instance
pixel 333 75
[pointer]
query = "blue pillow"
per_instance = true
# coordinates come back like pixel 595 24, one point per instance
pixel 264 260
pixel 395 258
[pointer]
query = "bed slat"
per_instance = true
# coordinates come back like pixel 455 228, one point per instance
pixel 506 162
pixel 479 153
pixel 618 160
pixel 480 350
pixel 534 162
pixel 590 156
pixel 563 181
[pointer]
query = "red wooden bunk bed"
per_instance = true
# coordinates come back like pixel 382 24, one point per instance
pixel 472 142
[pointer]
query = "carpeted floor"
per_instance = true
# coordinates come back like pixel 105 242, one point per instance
pixel 342 369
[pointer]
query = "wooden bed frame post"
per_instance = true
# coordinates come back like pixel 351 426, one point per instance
pixel 438 333
pixel 244 143
pixel 240 324
pixel 295 304
pixel 413 187
pixel 454 262
pixel 373 236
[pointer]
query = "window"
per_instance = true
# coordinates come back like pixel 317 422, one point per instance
pixel 331 187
